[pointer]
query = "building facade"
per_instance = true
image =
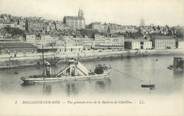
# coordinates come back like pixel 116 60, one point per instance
pixel 30 38
pixel 181 44
pixel 138 44
pixel 75 22
pixel 145 44
pixel 98 26
pixel 16 47
pixel 109 43
pixel 164 42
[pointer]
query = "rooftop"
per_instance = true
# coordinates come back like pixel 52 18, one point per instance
pixel 73 17
pixel 161 37
pixel 16 45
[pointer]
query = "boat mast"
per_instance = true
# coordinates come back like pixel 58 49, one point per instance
pixel 43 61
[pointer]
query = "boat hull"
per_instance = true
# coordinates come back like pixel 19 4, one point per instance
pixel 42 79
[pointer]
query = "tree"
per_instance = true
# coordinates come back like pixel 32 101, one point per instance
pixel 14 31
pixel 27 25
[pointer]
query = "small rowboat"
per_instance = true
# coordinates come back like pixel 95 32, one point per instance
pixel 150 86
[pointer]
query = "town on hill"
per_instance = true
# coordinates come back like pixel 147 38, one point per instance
pixel 21 37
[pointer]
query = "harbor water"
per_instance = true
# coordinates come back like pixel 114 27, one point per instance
pixel 127 76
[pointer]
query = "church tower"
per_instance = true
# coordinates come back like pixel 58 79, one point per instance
pixel 80 13
pixel 142 22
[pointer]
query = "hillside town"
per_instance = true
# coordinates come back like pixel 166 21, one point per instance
pixel 27 37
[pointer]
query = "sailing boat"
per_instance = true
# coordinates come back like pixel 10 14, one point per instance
pixel 74 71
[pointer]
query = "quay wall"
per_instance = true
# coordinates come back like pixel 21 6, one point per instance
pixel 7 61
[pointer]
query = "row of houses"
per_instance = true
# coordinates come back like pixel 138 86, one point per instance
pixel 101 42
pixel 120 43
pixel 112 28
pixel 151 44
pixel 33 43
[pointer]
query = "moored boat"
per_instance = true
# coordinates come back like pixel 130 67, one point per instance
pixel 75 71
pixel 148 85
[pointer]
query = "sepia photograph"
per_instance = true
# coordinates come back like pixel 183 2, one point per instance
pixel 91 57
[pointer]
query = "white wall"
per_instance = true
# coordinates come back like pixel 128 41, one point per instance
pixel 181 44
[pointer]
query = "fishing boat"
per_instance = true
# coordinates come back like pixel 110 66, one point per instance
pixel 74 71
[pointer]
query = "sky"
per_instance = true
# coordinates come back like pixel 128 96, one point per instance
pixel 125 12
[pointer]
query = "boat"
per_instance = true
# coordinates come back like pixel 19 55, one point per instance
pixel 150 86
pixel 170 67
pixel 74 71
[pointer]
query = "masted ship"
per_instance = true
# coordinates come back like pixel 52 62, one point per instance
pixel 74 71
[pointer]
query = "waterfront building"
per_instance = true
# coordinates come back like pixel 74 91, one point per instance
pixel 109 43
pixel 132 44
pixel 163 42
pixel 181 44
pixel 16 47
pixel 75 22
pixel 74 49
pixel 146 44
pixel 87 44
pixel 138 44
pixel 45 40
pixel 61 49
pixel 83 41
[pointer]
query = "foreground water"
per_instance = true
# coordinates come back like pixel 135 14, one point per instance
pixel 126 78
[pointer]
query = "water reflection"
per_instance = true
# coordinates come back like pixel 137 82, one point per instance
pixel 103 85
pixel 72 88
pixel 178 74
pixel 127 79
pixel 47 89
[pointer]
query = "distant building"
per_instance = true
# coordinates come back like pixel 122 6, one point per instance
pixel 109 43
pixel 61 49
pixel 98 26
pixel 115 28
pixel 138 44
pixel 87 44
pixel 142 22
pixel 45 40
pixel 60 26
pixel 75 22
pixel 164 42
pixel 132 44
pixel 16 47
pixel 30 38
pixel 145 44
pixel 111 28
pixel 74 49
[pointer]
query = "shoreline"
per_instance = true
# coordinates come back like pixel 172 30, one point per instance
pixel 33 61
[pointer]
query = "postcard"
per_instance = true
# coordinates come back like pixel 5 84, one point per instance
pixel 91 57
